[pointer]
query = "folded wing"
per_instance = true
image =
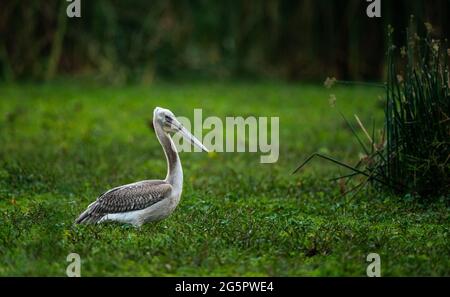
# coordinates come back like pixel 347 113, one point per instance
pixel 126 198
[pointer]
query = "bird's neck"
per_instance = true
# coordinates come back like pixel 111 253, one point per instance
pixel 174 169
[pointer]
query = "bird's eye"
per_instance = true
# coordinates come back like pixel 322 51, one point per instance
pixel 168 119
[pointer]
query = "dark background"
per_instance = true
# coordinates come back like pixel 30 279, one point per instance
pixel 142 41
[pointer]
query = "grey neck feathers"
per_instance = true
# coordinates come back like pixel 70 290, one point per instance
pixel 174 170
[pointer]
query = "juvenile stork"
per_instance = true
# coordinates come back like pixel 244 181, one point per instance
pixel 147 200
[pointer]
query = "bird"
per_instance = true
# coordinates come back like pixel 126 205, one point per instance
pixel 148 200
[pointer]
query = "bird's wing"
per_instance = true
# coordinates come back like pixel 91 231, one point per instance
pixel 130 197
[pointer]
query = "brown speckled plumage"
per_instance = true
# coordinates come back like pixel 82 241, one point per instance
pixel 126 198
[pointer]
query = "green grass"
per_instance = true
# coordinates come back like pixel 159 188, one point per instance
pixel 63 144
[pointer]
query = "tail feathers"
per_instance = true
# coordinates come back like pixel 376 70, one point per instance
pixel 88 217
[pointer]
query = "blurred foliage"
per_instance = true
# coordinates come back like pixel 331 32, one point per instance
pixel 139 40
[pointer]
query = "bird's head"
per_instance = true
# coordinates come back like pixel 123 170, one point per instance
pixel 169 123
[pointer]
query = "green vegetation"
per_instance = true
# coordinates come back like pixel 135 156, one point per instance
pixel 63 144
pixel 143 41
pixel 417 157
pixel 411 154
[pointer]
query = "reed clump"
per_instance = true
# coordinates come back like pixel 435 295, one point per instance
pixel 411 155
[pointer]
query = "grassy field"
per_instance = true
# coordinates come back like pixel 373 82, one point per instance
pixel 62 144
